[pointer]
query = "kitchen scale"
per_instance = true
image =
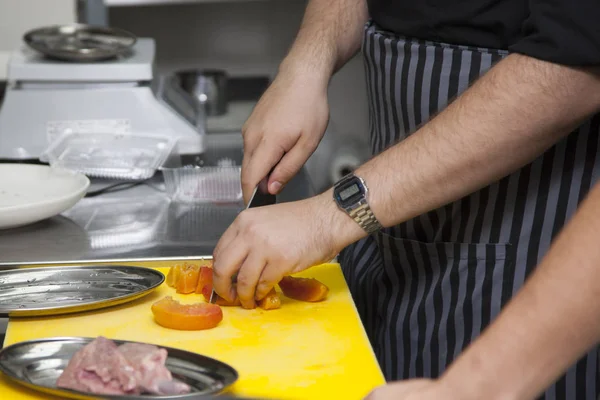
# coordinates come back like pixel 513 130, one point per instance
pixel 50 93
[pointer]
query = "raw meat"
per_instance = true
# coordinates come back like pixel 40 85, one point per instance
pixel 99 368
pixel 103 368
pixel 151 374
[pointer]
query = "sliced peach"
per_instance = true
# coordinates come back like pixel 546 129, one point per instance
pixel 303 289
pixel 206 291
pixel 173 275
pixel 171 314
pixel 271 301
pixel 188 279
pixel 205 277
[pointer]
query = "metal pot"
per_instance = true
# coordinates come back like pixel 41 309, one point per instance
pixel 209 87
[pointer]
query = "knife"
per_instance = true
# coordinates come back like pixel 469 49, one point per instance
pixel 258 199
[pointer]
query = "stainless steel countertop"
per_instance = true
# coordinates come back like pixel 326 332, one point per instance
pixel 136 224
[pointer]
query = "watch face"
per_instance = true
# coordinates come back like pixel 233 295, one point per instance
pixel 349 192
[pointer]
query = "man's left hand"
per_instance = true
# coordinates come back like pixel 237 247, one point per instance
pixel 264 244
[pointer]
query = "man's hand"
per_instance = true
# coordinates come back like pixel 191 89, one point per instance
pixel 414 389
pixel 265 244
pixel 283 131
pixel 290 119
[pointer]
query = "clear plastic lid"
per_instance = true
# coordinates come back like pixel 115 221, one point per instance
pixel 109 155
pixel 194 184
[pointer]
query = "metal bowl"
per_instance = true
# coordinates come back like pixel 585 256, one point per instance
pixel 79 42
pixel 37 364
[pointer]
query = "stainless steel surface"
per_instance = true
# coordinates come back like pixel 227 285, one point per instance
pixel 208 87
pixel 194 94
pixel 38 364
pixel 60 290
pixel 80 42
pixel 168 90
pixel 137 224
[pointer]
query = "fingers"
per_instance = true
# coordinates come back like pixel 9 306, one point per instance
pixel 290 164
pixel 258 167
pixel 251 135
pixel 247 190
pixel 225 240
pixel 252 138
pixel 225 266
pixel 409 389
pixel 248 278
pixel 268 279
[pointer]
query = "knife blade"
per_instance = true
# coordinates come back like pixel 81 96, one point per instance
pixel 258 199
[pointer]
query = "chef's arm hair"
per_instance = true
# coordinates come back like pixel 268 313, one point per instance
pixel 329 36
pixel 506 119
pixel 547 326
pixel 510 116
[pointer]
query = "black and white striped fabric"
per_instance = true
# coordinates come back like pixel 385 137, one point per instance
pixel 426 288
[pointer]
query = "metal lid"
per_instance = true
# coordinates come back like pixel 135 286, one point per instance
pixel 80 42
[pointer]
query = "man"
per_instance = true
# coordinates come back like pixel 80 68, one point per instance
pixel 551 322
pixel 482 123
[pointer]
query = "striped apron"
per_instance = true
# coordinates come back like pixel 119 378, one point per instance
pixel 426 288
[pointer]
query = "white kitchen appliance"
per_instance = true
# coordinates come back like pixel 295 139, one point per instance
pixel 47 97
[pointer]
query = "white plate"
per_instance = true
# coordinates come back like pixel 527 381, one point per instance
pixel 31 193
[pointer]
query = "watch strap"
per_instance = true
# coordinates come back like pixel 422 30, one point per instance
pixel 365 218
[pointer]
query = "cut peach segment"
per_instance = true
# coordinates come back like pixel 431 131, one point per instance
pixel 205 277
pixel 175 272
pixel 303 289
pixel 173 275
pixel 206 291
pixel 188 279
pixel 271 301
pixel 171 314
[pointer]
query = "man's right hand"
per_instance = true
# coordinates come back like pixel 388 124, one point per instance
pixel 283 131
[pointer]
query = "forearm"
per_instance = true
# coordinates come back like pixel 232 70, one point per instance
pixel 329 36
pixel 551 322
pixel 515 112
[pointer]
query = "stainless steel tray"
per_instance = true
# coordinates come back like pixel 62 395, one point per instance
pixel 38 364
pixel 31 292
pixel 79 42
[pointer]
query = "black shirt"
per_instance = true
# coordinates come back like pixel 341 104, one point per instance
pixel 562 31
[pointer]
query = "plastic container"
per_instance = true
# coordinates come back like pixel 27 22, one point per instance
pixel 201 184
pixel 109 155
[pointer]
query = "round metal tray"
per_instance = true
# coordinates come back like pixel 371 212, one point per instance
pixel 80 43
pixel 28 292
pixel 37 364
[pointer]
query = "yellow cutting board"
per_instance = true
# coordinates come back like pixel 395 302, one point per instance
pixel 300 351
